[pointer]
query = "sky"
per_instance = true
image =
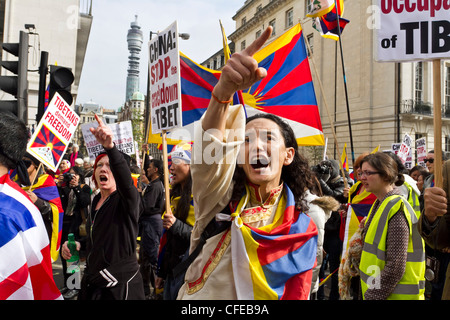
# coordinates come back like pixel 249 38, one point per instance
pixel 103 79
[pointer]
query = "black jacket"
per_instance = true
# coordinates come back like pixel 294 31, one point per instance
pixel 153 199
pixel 113 228
pixel 177 247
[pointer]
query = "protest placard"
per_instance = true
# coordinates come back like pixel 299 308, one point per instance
pixel 165 84
pixel 421 148
pixel 405 148
pixel 123 138
pixel 413 30
pixel 53 134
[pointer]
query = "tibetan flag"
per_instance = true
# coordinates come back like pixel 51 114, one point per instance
pixel 360 204
pixel 197 83
pixel 226 48
pixel 344 158
pixel 237 97
pixel 320 7
pixel 25 264
pixel 274 261
pixel 376 149
pixel 288 91
pixel 327 24
pixel 46 189
pixel 53 148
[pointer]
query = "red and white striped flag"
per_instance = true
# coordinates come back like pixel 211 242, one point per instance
pixel 25 263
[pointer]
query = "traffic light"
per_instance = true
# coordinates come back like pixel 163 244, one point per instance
pixel 16 85
pixel 61 79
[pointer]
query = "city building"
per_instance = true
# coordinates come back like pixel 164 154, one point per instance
pixel 61 28
pixel 385 100
pixel 133 110
pixel 135 39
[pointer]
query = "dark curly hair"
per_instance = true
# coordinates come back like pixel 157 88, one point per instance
pixel 297 175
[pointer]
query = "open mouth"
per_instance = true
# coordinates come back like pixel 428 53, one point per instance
pixel 259 162
pixel 103 178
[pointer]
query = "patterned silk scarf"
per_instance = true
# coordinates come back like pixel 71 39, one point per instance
pixel 274 261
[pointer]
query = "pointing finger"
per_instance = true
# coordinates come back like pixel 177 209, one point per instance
pixel 100 122
pixel 258 43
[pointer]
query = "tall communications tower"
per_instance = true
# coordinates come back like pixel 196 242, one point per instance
pixel 135 39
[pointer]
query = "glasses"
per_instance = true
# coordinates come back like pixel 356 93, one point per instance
pixel 431 160
pixel 368 173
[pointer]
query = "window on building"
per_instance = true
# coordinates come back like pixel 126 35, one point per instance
pixel 447 144
pixel 215 64
pixel 258 34
pixel 258 8
pixel 222 60
pixel 308 6
pixel 310 39
pixel 243 21
pixel 289 18
pixel 243 45
pixel 447 87
pixel 418 86
pixel 272 23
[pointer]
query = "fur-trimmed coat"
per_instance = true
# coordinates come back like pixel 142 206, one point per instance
pixel 320 209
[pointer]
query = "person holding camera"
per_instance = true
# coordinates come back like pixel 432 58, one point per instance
pixel 75 198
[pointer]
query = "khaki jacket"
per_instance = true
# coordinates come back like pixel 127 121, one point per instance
pixel 437 236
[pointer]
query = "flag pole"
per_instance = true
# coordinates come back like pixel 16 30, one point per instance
pixel 35 176
pixel 437 112
pixel 345 82
pixel 325 103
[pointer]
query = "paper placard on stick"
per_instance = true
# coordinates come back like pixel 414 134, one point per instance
pixel 123 138
pixel 405 148
pixel 53 133
pixel 414 30
pixel 165 83
pixel 421 148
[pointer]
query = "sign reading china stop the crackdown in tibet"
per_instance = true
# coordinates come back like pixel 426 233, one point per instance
pixel 413 30
pixel 165 88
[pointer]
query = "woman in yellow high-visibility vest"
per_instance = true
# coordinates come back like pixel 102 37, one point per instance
pixel 393 260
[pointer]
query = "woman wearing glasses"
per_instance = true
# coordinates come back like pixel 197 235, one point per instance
pixel 392 261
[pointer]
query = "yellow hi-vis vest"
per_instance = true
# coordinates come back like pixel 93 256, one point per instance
pixel 413 199
pixel 373 258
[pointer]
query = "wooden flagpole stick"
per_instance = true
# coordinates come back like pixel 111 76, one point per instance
pixel 438 179
pixel 166 170
pixel 326 106
pixel 35 176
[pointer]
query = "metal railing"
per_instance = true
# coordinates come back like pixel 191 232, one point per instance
pixel 410 106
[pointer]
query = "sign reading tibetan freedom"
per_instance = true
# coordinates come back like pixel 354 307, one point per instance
pixel 413 30
pixel 55 130
pixel 122 133
pixel 165 85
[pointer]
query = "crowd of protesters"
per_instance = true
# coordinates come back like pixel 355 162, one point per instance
pixel 196 242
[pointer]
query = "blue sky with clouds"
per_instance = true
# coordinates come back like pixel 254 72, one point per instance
pixel 103 79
